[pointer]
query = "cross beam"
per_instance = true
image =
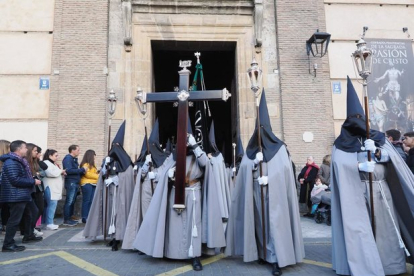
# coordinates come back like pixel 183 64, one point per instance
pixel 183 96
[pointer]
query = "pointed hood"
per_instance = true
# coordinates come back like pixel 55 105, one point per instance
pixel 157 154
pixel 353 105
pixel 270 143
pixel 141 158
pixel 168 147
pixel 354 127
pixel 120 158
pixel 239 149
pixel 213 147
pixel 119 137
pixel 189 127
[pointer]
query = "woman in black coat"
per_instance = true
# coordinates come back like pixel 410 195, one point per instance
pixel 307 180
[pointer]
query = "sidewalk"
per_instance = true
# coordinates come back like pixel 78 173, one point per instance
pixel 66 252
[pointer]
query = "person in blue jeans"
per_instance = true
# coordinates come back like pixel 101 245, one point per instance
pixel 73 176
pixel 88 182
pixel 53 182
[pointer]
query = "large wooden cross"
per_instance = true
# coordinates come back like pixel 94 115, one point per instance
pixel 182 96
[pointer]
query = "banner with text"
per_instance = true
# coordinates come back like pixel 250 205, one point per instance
pixel 391 85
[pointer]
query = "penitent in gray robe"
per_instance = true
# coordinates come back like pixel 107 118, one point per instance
pixel 95 223
pixel 283 230
pixel 216 202
pixel 140 202
pixel 231 180
pixel 354 249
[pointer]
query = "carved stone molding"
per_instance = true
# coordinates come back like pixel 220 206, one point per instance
pixel 127 20
pixel 258 22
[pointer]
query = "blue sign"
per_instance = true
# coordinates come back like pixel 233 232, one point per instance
pixel 44 83
pixel 336 87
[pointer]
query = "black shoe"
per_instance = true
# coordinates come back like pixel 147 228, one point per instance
pixel 31 238
pixel 276 269
pixel 197 264
pixel 261 261
pixel 309 215
pixel 13 248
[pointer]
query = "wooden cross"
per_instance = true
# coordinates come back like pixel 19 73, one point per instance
pixel 182 96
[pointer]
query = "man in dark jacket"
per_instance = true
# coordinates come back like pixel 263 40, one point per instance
pixel 16 186
pixel 394 136
pixel 72 179
pixel 409 142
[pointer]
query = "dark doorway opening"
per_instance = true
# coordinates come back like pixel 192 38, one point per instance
pixel 219 69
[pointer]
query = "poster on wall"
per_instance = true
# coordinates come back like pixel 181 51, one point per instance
pixel 391 85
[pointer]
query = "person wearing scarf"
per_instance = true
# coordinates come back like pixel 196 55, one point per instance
pixel 307 181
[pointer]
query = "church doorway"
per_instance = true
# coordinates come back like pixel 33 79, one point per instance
pixel 219 69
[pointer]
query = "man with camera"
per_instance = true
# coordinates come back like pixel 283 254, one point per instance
pixel 17 184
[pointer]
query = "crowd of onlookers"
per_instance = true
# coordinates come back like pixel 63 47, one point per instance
pixel 31 186
pixel 314 179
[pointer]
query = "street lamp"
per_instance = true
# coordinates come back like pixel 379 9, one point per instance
pixel 111 100
pixel 318 38
pixel 255 77
pixel 362 58
pixel 312 47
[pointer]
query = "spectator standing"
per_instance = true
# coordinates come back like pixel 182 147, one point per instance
pixel 88 182
pixel 72 180
pixel 394 136
pixel 37 204
pixel 307 180
pixel 4 207
pixel 409 142
pixel 17 184
pixel 324 173
pixel 53 186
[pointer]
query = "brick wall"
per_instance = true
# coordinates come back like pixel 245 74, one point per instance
pixel 77 100
pixel 306 100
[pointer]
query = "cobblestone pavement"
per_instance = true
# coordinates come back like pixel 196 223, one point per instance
pixel 66 252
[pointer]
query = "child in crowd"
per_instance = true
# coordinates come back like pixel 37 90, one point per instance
pixel 316 193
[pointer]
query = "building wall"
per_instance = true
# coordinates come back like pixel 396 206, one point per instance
pixel 306 101
pixel 345 21
pixel 79 45
pixel 26 36
pixel 77 110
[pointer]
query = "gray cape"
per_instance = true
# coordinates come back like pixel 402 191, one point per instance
pixel 231 180
pixel 216 203
pixel 151 235
pixel 354 250
pixel 95 223
pixel 283 220
pixel 140 202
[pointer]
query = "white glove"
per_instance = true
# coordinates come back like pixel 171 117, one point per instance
pixel 171 173
pixel 234 170
pixel 263 180
pixel 135 167
pixel 152 175
pixel 190 140
pixel 367 166
pixel 148 159
pixel 370 145
pixel 108 181
pixel 259 158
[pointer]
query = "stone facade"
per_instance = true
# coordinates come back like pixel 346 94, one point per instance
pixel 81 46
pixel 77 100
